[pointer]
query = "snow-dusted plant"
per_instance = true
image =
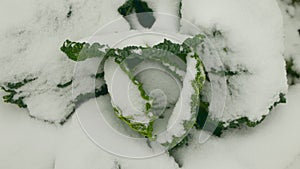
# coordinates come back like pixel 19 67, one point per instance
pixel 252 66
pixel 140 81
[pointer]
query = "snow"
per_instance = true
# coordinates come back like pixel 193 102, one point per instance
pixel 77 151
pixel 295 163
pixel 291 18
pixel 291 15
pixel 163 85
pixel 25 142
pixel 46 27
pixel 84 80
pixel 183 110
pixel 28 143
pixel 31 144
pixel 253 32
pixel 29 44
pixel 126 96
pixel 149 72
pixel 14 10
pixel 273 144
pixel 166 14
pixel 30 47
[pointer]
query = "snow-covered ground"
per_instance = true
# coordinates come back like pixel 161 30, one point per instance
pixel 34 31
pixel 25 142
pixel 31 144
